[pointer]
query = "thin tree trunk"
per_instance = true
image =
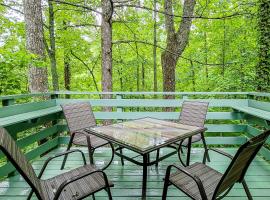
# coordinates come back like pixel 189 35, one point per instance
pixel 38 76
pixel 52 49
pixel 90 70
pixel 138 68
pixel 223 48
pixel 176 43
pixel 121 82
pixel 193 76
pixel 67 72
pixel 206 60
pixel 143 77
pixel 106 40
pixel 155 47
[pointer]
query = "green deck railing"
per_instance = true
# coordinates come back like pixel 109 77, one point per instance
pixel 232 116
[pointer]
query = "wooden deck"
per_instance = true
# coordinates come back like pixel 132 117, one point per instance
pixel 128 178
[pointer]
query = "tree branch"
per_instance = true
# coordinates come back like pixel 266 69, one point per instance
pixel 184 27
pixel 78 25
pixel 11 8
pixel 163 48
pixel 236 14
pixel 76 5
pixel 88 68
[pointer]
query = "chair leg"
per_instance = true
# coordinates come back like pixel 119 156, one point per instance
pixel 109 193
pixel 65 157
pixel 122 159
pixel 205 149
pixel 30 195
pixel 165 188
pixel 247 190
pixel 91 155
pixel 157 157
pixel 93 197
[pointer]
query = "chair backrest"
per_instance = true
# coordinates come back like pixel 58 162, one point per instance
pixel 193 113
pixel 240 163
pixel 79 116
pixel 19 161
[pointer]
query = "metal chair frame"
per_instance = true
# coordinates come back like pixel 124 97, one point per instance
pixel 183 120
pixel 256 142
pixel 91 149
pixel 29 179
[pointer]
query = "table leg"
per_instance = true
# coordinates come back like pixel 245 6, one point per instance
pixel 144 183
pixel 189 150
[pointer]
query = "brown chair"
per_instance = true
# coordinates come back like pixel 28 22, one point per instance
pixel 75 184
pixel 194 114
pixel 199 181
pixel 80 116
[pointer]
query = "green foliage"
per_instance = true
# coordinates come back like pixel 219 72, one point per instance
pixel 263 68
pixel 13 56
pixel 221 54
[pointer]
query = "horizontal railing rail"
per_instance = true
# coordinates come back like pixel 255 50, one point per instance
pixel 36 120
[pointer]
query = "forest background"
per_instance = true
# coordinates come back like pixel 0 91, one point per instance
pixel 226 45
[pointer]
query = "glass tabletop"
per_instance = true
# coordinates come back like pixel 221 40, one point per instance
pixel 147 133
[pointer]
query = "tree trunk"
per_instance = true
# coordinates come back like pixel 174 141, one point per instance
pixel 263 67
pixel 143 77
pixel 38 76
pixel 193 76
pixel 168 62
pixel 155 47
pixel 176 43
pixel 106 40
pixel 67 72
pixel 223 57
pixel 138 68
pixel 52 48
pixel 206 60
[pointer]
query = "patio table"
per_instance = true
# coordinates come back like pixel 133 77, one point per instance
pixel 144 136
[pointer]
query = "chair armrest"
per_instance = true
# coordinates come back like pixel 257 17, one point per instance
pixel 222 153
pixel 75 178
pixel 59 155
pixel 193 176
pixel 87 135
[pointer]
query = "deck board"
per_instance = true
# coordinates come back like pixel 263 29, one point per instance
pixel 128 178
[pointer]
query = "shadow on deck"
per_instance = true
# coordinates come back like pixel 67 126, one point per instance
pixel 128 178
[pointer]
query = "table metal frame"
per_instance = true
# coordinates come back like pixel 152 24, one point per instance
pixel 146 154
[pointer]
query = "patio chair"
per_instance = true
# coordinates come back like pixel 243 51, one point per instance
pixel 75 184
pixel 194 114
pixel 200 181
pixel 79 116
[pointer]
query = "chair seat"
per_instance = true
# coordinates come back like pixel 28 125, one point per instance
pixel 209 177
pixel 78 189
pixel 96 142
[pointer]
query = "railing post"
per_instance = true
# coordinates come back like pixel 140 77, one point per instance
pixel 250 97
pixel 8 102
pixel 119 109
pixel 185 97
pixel 55 121
pixel 54 96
